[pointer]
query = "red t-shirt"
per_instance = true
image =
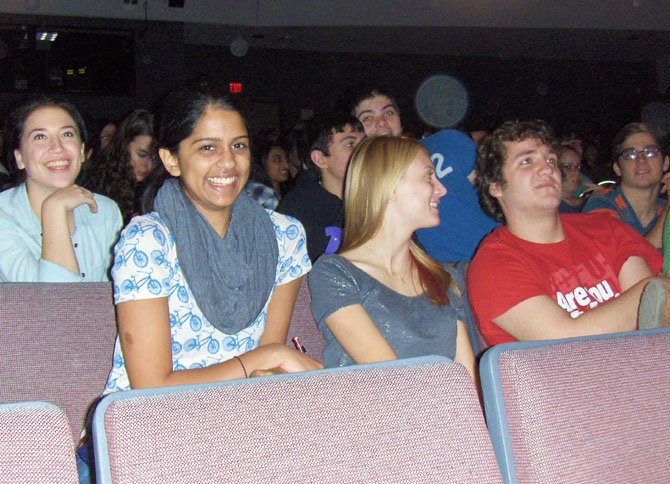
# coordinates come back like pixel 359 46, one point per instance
pixel 579 273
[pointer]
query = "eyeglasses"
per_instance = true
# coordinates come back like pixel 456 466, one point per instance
pixel 631 154
pixel 565 169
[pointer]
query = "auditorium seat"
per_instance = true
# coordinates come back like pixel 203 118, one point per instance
pixel 303 325
pixel 476 338
pixel 35 445
pixel 56 344
pixel 415 420
pixel 591 409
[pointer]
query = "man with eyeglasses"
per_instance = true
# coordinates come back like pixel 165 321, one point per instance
pixel 640 163
pixel 545 275
pixel 569 164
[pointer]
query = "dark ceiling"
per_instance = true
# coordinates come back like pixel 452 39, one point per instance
pixel 626 30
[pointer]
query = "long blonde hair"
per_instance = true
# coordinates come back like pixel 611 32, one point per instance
pixel 376 167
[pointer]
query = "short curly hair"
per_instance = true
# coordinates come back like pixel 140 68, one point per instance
pixel 491 156
pixel 626 132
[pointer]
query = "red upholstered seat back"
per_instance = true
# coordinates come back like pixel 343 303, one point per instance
pixel 418 422
pixel 589 410
pixel 303 325
pixel 56 344
pixel 35 445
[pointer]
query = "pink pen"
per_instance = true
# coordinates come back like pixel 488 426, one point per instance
pixel 298 346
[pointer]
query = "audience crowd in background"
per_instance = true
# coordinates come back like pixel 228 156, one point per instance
pixel 206 227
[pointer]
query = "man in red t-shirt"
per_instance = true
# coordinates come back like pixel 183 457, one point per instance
pixel 544 275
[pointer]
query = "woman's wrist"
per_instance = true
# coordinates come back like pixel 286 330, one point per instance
pixel 51 209
pixel 244 368
pixel 262 358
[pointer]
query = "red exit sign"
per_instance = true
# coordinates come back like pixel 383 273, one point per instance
pixel 235 88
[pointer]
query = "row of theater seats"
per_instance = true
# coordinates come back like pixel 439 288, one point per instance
pixel 583 410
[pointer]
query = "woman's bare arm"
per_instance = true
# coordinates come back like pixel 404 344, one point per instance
pixel 280 310
pixel 144 332
pixel 359 336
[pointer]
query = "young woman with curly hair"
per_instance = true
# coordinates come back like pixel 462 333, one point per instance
pixel 127 161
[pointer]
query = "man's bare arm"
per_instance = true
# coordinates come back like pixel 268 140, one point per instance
pixel 540 317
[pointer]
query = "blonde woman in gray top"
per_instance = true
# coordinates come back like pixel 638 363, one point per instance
pixel 382 297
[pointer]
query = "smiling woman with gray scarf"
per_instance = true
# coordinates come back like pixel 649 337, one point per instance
pixel 205 284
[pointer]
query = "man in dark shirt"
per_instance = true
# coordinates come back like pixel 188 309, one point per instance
pixel 377 111
pixel 316 201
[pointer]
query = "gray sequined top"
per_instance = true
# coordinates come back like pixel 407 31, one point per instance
pixel 413 326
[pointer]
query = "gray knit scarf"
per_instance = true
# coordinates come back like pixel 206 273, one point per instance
pixel 231 278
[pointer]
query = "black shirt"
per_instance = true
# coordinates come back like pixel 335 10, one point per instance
pixel 319 211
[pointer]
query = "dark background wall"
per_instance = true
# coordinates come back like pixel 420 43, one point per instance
pixel 601 95
pixel 279 85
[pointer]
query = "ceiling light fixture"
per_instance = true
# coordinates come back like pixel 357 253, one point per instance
pixel 45 36
pixel 239 47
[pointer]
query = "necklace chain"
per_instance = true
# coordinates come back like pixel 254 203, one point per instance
pixel 403 280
